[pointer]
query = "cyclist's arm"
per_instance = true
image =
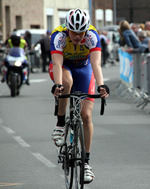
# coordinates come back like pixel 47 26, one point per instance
pixel 57 60
pixel 95 58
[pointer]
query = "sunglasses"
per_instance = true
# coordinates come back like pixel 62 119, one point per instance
pixel 74 33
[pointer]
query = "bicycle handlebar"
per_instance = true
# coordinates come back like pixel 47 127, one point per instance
pixel 79 94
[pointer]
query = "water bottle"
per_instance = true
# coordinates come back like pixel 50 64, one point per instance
pixel 71 135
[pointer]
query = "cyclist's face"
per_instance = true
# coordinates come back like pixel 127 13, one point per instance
pixel 76 38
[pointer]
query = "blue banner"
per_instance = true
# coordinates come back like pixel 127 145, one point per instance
pixel 126 66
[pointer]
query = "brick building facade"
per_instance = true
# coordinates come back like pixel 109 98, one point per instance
pixel 133 10
pixel 20 14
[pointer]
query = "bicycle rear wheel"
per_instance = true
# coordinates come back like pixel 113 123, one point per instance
pixel 67 161
pixel 79 155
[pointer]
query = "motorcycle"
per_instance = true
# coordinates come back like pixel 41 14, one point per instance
pixel 15 70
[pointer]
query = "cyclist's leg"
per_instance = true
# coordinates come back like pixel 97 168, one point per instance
pixel 86 115
pixel 58 134
pixel 86 83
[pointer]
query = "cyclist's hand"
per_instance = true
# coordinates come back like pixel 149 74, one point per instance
pixel 103 90
pixel 57 89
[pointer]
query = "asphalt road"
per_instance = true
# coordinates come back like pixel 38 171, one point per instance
pixel 120 155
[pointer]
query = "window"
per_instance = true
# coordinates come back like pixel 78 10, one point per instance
pixel 109 17
pixel 18 22
pixel 62 21
pixel 35 26
pixel 62 16
pixel 99 24
pixel 49 22
pixel 49 16
pixel 99 18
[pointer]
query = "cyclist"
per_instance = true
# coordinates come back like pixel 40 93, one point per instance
pixel 76 62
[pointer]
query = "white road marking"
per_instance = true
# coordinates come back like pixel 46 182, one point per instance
pixel 37 80
pixel 9 130
pixel 44 160
pixel 106 79
pixel 62 176
pixel 103 131
pixel 21 141
pixel 1 121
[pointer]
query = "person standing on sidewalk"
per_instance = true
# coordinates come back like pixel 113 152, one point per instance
pixel 45 48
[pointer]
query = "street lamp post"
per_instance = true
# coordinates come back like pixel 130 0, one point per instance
pixel 114 12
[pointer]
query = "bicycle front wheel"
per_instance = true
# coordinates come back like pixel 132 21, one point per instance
pixel 67 160
pixel 79 155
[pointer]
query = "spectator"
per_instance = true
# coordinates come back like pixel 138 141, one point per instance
pixel 144 44
pixel 128 37
pixel 6 41
pixel 147 28
pixel 136 28
pixel 147 25
pixel 27 37
pixel 104 46
pixel 142 26
pixel 45 48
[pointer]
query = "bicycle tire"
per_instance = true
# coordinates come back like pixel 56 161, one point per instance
pixel 67 161
pixel 13 85
pixel 79 155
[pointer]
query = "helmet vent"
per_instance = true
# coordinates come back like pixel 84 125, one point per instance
pixel 72 20
pixel 71 27
pixel 82 29
pixel 78 10
pixel 82 20
pixel 78 17
pixel 77 26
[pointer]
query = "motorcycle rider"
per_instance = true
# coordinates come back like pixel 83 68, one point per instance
pixel 17 41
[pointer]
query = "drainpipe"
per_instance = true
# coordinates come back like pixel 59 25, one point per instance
pixel 90 10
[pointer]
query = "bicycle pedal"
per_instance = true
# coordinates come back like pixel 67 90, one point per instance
pixel 60 161
pixel 60 158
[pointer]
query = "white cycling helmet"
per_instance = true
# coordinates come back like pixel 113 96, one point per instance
pixel 77 20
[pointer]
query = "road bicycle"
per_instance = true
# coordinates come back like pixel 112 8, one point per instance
pixel 72 153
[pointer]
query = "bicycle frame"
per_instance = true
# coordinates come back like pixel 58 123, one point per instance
pixel 72 153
